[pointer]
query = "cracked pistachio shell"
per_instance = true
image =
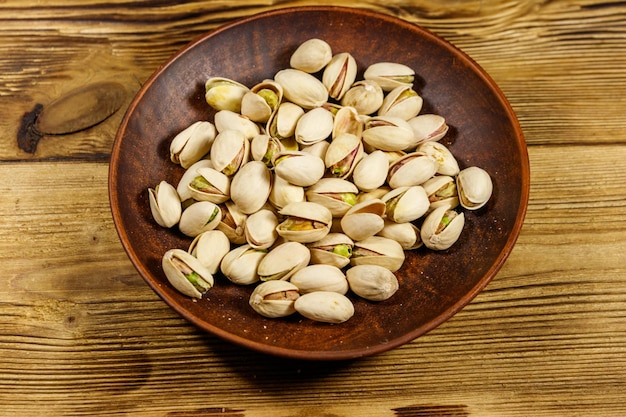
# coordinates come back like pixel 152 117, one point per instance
pixel 364 219
pixel 339 74
pixel 240 264
pixel 318 149
pixel 406 204
pixel 365 96
pixel 320 277
pixel 261 101
pixel 228 120
pixel 199 217
pixel 304 222
pixel 370 172
pixel 325 306
pixel 261 229
pixel 192 143
pixel 299 168
pixel 378 250
pixel 186 273
pixel 224 94
pixel 165 204
pixel 210 185
pixel 302 88
pixel 442 228
pixel 441 191
pixel 314 126
pixel 189 174
pixel 209 248
pixel 342 155
pixel 336 194
pixel 402 102
pixel 283 261
pixel 390 75
pixel 283 193
pixel 412 169
pixel 474 187
pixel 250 187
pixel 388 133
pixel 333 249
pixel 428 127
pixel 406 234
pixel 447 163
pixel 233 222
pixel 347 120
pixel 230 150
pixel 263 148
pixel 372 282
pixel 273 299
pixel 311 56
pixel 282 123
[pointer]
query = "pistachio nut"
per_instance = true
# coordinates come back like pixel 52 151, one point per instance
pixel 228 120
pixel 230 150
pixel 370 172
pixel 390 75
pixel 318 149
pixel 325 306
pixel 347 120
pixel 283 192
pixel 224 94
pixel 406 204
pixel 339 74
pixel 304 222
pixel 189 174
pixel 250 187
pixel 342 155
pixel 261 229
pixel 364 219
pixel 209 248
pixel 336 194
pixel 210 185
pixel 314 126
pixel 282 123
pixel 302 88
pixel 311 56
pixel 378 250
pixel 402 102
pixel 241 263
pixel 186 273
pixel 365 96
pixel 447 163
pixel 320 277
pixel 299 168
pixel 261 101
pixel 442 228
pixel 475 187
pixel 406 234
pixel 388 133
pixel 263 148
pixel 199 217
pixel 441 191
pixel 273 299
pixel 372 282
pixel 428 127
pixel 233 222
pixel 414 168
pixel 192 143
pixel 283 261
pixel 165 204
pixel 333 249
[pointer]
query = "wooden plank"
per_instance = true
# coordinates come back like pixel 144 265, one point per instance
pixel 82 334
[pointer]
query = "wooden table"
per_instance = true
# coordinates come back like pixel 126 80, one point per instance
pixel 82 334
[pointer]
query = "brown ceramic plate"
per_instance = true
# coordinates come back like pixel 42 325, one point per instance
pixel 434 285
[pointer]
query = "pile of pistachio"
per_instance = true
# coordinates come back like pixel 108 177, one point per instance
pixel 313 184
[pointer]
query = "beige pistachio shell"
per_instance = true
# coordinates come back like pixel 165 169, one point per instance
pixel 189 174
pixel 336 194
pixel 441 191
pixel 406 234
pixel 209 248
pixel 347 120
pixel 475 187
pixel 241 263
pixel 261 229
pixel 447 163
pixel 230 150
pixel 390 75
pixel 210 185
pixel 261 101
pixel 274 299
pixel 342 155
pixel 263 148
pixel 250 187
pixel 304 222
pixel 302 88
pixel 371 171
pixel 283 261
pixel 192 143
pixel 378 193
pixel 333 249
pixel 320 277
pixel 228 120
pixel 388 133
pixel 314 126
pixel 414 168
pixel 311 56
pixel 299 168
pixel 199 217
pixel 318 149
pixel 406 204
pixel 233 223
pixel 442 228
pixel 339 74
pixel 365 96
pixel 402 102
pixel 372 282
pixel 282 123
pixel 378 250
pixel 283 193
pixel 364 219
pixel 186 273
pixel 428 127
pixel 224 94
pixel 325 306
pixel 165 204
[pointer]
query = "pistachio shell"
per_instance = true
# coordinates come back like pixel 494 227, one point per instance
pixel 224 94
pixel 209 248
pixel 189 174
pixel 370 172
pixel 325 306
pixel 378 250
pixel 274 299
pixel 314 126
pixel 402 102
pixel 199 217
pixel 442 228
pixel 333 249
pixel 347 120
pixel 389 75
pixel 364 219
pixel 261 101
pixel 406 204
pixel 335 194
pixel 302 88
pixel 261 229
pixel 446 162
pixel 311 56
pixel 428 127
pixel 342 155
pixel 251 187
pixel 241 263
pixel 228 120
pixel 406 234
pixel 192 143
pixel 372 282
pixel 339 74
pixel 282 123
pixel 283 193
pixel 165 204
pixel 186 273
pixel 283 261
pixel 210 185
pixel 365 96
pixel 412 169
pixel 475 187
pixel 263 148
pixel 441 191
pixel 388 133
pixel 299 168
pixel 318 149
pixel 304 222
pixel 320 278
pixel 230 150
pixel 233 222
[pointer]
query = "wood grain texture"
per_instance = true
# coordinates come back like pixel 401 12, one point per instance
pixel 81 334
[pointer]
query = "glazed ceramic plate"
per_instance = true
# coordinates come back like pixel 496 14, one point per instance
pixel 433 285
